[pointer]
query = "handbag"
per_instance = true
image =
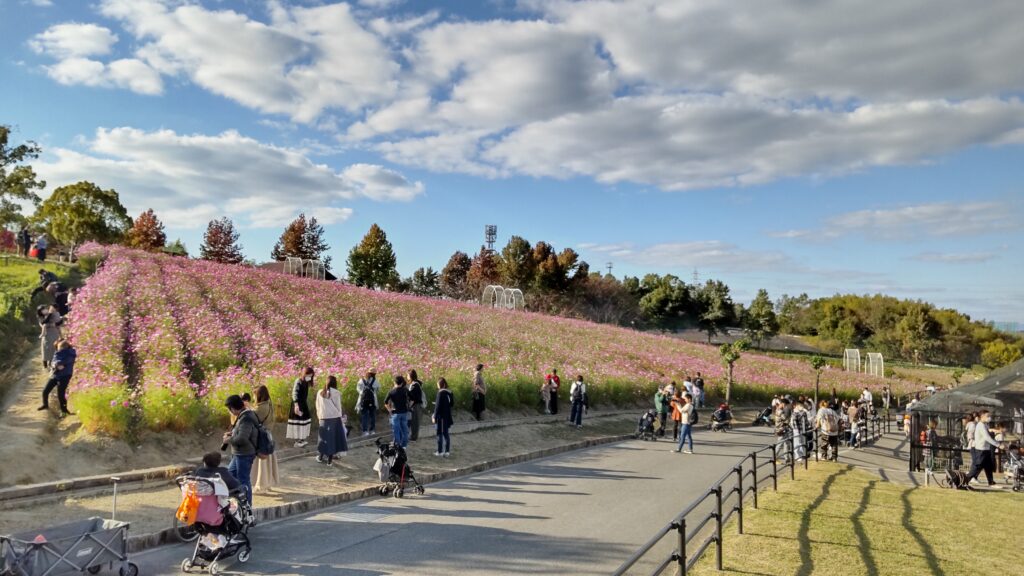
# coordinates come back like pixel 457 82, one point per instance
pixel 189 507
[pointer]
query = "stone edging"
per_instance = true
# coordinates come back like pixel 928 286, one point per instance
pixel 146 541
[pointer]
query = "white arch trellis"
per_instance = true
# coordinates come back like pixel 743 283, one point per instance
pixel 305 268
pixel 496 296
pixel 851 360
pixel 875 365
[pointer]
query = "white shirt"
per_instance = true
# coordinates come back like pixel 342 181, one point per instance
pixel 982 439
pixel 329 407
pixel 575 385
pixel 689 387
pixel 867 397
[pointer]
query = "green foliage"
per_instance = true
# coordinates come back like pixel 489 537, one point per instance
pixel 81 212
pixel 716 307
pixel 818 362
pixel 176 248
pixel 17 323
pixel 372 262
pixel 303 238
pixel 106 410
pixel 760 322
pixel 147 233
pixel 516 265
pixel 163 409
pixel 18 181
pixel 425 282
pixel 666 301
pixel 1000 353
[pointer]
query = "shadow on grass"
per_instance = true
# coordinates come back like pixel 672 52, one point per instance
pixel 806 560
pixel 926 548
pixel 864 544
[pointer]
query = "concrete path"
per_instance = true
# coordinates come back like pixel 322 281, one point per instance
pixel 578 513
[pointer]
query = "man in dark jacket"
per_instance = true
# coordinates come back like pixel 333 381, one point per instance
pixel 63 369
pixel 45 279
pixel 24 241
pixel 242 439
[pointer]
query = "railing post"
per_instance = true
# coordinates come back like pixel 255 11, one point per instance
pixel 682 547
pixel 817 444
pixel 718 527
pixel 753 457
pixel 792 459
pixel 739 489
pixel 775 469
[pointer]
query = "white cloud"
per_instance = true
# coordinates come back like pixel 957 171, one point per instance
pixel 704 254
pixel 937 219
pixel 190 179
pixel 955 257
pixel 73 40
pixel 41 3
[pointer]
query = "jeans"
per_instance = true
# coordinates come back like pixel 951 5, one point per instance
pixel 368 419
pixel 684 434
pixel 61 384
pixel 799 446
pixel 241 468
pixel 400 428
pixel 444 439
pixel 576 416
pixel 699 393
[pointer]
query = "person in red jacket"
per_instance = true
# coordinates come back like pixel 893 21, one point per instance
pixel 550 392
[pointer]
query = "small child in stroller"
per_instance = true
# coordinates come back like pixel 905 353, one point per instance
pixel 721 419
pixel 1015 467
pixel 392 467
pixel 645 426
pixel 214 503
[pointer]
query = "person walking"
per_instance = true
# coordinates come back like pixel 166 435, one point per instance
pixel 41 245
pixel 553 383
pixel 50 322
pixel 299 419
pixel 853 417
pixel 689 418
pixel 661 403
pixel 799 424
pixel 24 241
pixel 331 430
pixel 267 475
pixel 972 424
pixel 417 400
pixel 578 397
pixel 783 432
pixel 242 439
pixel 479 393
pixel 366 402
pixel 442 418
pixel 397 404
pixel 983 446
pixel 827 422
pixel 677 413
pixel 60 376
pixel 698 384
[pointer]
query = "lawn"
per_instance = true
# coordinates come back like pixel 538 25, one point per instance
pixel 835 519
pixel 17 279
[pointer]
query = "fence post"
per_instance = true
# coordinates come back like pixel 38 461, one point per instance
pixel 817 444
pixel 739 488
pixel 682 546
pixel 753 457
pixel 718 526
pixel 775 469
pixel 792 459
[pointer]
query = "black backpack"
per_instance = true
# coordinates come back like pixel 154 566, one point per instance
pixel 694 417
pixel 264 439
pixel 577 394
pixel 368 399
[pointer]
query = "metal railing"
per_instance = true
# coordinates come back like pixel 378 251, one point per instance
pixel 727 497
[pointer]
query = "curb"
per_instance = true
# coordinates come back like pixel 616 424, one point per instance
pixel 146 541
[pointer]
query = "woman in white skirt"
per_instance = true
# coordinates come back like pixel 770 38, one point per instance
pixel 299 417
pixel 265 469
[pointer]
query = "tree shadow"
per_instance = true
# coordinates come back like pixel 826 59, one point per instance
pixel 859 530
pixel 926 548
pixel 806 559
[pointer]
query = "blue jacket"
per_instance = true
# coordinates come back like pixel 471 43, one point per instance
pixel 65 359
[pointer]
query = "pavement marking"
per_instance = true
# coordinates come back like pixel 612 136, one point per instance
pixel 357 514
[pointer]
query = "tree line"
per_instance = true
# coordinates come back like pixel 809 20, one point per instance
pixel 554 281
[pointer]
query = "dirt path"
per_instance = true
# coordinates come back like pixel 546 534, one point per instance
pixel 27 432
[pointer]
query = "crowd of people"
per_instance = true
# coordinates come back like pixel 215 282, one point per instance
pixel 56 352
pixel 27 243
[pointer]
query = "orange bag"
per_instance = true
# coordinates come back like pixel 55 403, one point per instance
pixel 189 507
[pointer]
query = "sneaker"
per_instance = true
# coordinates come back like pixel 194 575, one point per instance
pixel 676 450
pixel 438 454
pixel 43 407
pixel 579 426
pixel 687 451
pixel 447 454
pixel 330 462
pixel 301 444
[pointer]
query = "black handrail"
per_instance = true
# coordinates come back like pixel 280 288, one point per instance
pixel 686 532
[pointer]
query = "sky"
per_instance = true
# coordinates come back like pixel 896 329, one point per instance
pixel 843 147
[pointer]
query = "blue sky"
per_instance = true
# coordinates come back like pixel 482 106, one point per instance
pixel 840 148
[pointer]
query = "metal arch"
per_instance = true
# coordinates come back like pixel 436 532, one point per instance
pixel 875 365
pixel 851 360
pixel 496 296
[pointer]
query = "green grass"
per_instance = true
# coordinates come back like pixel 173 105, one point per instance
pixel 17 325
pixel 836 519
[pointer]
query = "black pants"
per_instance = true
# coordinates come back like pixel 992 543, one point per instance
pixel 982 461
pixel 61 384
pixel 479 405
pixel 414 422
pixel 662 417
pixel 553 404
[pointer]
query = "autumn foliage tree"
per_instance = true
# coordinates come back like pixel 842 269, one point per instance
pixel 483 271
pixel 303 238
pixel 220 243
pixel 455 275
pixel 147 233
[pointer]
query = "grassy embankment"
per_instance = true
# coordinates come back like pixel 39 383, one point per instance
pixel 836 519
pixel 18 277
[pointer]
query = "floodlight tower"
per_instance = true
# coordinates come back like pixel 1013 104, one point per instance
pixel 609 266
pixel 490 235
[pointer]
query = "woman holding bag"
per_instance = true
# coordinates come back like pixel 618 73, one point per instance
pixel 266 466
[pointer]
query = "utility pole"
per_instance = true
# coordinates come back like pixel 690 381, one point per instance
pixel 490 235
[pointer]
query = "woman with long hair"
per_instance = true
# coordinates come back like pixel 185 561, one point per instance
pixel 331 431
pixel 266 466
pixel 299 418
pixel 479 392
pixel 443 419
pixel 417 399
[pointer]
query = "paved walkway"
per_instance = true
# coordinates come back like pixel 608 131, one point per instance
pixel 577 513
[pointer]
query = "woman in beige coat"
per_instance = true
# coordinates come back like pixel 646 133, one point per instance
pixel 50 322
pixel 265 471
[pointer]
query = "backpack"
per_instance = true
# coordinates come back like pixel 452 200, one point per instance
pixel 829 424
pixel 264 440
pixel 368 398
pixel 694 417
pixel 577 393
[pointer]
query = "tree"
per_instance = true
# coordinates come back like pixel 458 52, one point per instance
pixel 302 239
pixel 176 248
pixel 425 282
pixel 371 263
pixel 817 362
pixel 220 243
pixel 80 212
pixel 517 266
pixel 483 271
pixel 999 353
pixel 760 322
pixel 918 333
pixel 716 309
pixel 455 274
pixel 729 354
pixel 18 181
pixel 665 301
pixel 147 233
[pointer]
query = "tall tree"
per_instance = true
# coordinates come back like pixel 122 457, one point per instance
pixel 80 212
pixel 729 354
pixel 371 263
pixel 176 248
pixel 716 309
pixel 303 238
pixel 425 282
pixel 517 266
pixel 18 181
pixel 147 233
pixel 665 302
pixel 454 276
pixel 483 271
pixel 760 322
pixel 999 353
pixel 220 243
pixel 918 332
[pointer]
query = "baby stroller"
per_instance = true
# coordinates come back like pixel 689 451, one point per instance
pixel 721 419
pixel 1015 469
pixel 764 418
pixel 221 521
pixel 645 427
pixel 393 469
